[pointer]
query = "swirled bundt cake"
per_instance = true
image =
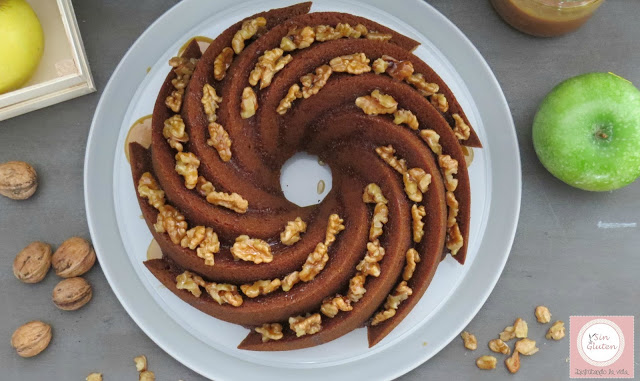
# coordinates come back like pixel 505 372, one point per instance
pixel 335 85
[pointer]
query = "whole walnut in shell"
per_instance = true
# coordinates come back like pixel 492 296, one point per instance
pixel 31 339
pixel 71 294
pixel 32 263
pixel 18 180
pixel 73 258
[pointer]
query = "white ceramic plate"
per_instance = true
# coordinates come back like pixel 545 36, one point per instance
pixel 208 345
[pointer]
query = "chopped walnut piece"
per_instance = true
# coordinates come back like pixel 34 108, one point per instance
pixel 298 38
pixel 416 182
pixel 220 140
pixel 543 314
pixel 271 331
pixel 231 201
pixel 148 188
pixel 380 66
pixel 499 346
pixel 222 63
pixel 291 233
pixel 204 187
pixel 331 306
pixel 556 331
pixel 450 167
pixel 453 205
pixel 147 375
pixel 382 316
pixel 412 258
pixel 377 103
pixel 399 70
pixel 368 267
pixel 261 287
pixel 210 101
pixel 267 66
pixel 526 347
pixel 173 131
pixel 326 33
pixel 290 280
pixel 400 294
pixel 425 88
pixel 190 282
pixel 388 155
pixel 406 117
pixel 486 362
pixel 313 82
pixel 224 293
pixel 347 30
pixel 187 166
pixel 172 222
pixel 193 238
pixel 380 217
pixel 357 63
pixel 379 36
pixel 249 103
pixel 334 226
pixel 356 287
pixel 373 195
pixel 306 325
pixel 520 328
pixel 209 246
pixel 286 102
pixel 470 341
pixel 454 239
pixel 513 363
pixel 141 363
pixel 183 68
pixel 433 140
pixel 508 333
pixel 251 249
pixel 439 101
pixel 417 213
pixel 248 30
pixel 461 130
pixel 315 263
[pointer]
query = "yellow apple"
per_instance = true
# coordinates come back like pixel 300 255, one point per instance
pixel 21 43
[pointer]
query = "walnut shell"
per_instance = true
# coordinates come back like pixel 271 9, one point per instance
pixel 73 258
pixel 18 180
pixel 71 294
pixel 33 262
pixel 31 338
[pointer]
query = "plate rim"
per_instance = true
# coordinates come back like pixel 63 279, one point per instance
pixel 93 185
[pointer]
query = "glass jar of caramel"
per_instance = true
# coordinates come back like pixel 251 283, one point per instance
pixel 546 18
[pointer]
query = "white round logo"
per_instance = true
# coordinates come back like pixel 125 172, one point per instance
pixel 600 342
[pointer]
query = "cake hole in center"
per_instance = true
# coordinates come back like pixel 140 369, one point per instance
pixel 305 180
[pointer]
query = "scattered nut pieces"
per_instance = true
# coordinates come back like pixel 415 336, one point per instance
pixel 406 117
pixel 32 338
pixel 32 263
pixel 148 188
pixel 499 346
pixel 461 130
pixel 433 140
pixel 401 293
pixel 439 102
pixel 306 325
pixel 72 293
pixel 260 287
pixel 224 293
pixel 486 362
pixel 513 362
pixel 73 257
pixel 312 83
pixel 331 306
pixel 526 347
pixel 417 213
pixel 373 194
pixel 187 166
pixel 141 363
pixel 291 232
pixel 357 63
pixel 521 329
pixel 508 333
pixel 267 66
pixel 388 155
pixel 270 331
pixel 248 30
pixel 556 331
pixel 419 82
pixel 174 132
pixel 222 63
pixel 147 375
pixel 18 180
pixel 543 314
pixel 94 377
pixel 377 103
pixel 470 341
pixel 412 258
pixel 172 222
pixel 249 103
pixel 251 249
pixel 286 102
pixel 190 282
pixel 298 38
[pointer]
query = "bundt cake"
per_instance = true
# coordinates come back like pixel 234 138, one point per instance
pixel 334 85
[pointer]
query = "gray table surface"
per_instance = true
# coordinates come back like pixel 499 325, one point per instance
pixel 560 258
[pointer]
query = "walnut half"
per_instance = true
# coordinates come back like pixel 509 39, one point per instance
pixel 251 249
pixel 306 325
pixel 291 233
pixel 271 331
pixel 377 103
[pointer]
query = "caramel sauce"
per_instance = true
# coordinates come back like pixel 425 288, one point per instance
pixel 468 155
pixel 203 42
pixel 139 132
pixel 154 252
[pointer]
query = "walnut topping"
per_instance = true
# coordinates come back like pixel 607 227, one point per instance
pixel 193 238
pixel 380 217
pixel 251 249
pixel 470 341
pixel 271 331
pixel 326 33
pixel 417 212
pixel 382 316
pixel 486 362
pixel 306 325
pixel 377 103
pixel 298 38
pixel 209 246
pixel 439 101
pixel 433 140
pixel 425 88
pixel 412 259
pixel 452 203
pixel 231 201
pixel 347 30
pixel 249 103
pixel 513 363
pixel 368 267
pixel 526 347
pixel 331 306
pixel 462 130
pixel 315 263
pixel 210 101
pixel 172 222
pixel 190 282
pixel 380 66
pixel 267 66
pixel 290 280
pixel 220 140
pixel 399 70
pixel 406 117
pixel 543 314
pixel 450 168
pixel 556 331
pixel 222 63
pixel 312 83
pixel 387 154
pixel 204 187
pixel 183 68
pixel 291 233
pixel 261 287
pixel 357 63
pixel 248 30
pixel 454 239
pixel 187 166
pixel 379 36
pixel 375 252
pixel 224 293
pixel 373 194
pixel 401 293
pixel 416 182
pixel 334 227
pixel 499 346
pixel 174 132
pixel 356 287
pixel 286 102
pixel 148 188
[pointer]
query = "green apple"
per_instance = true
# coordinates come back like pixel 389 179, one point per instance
pixel 21 43
pixel 587 132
